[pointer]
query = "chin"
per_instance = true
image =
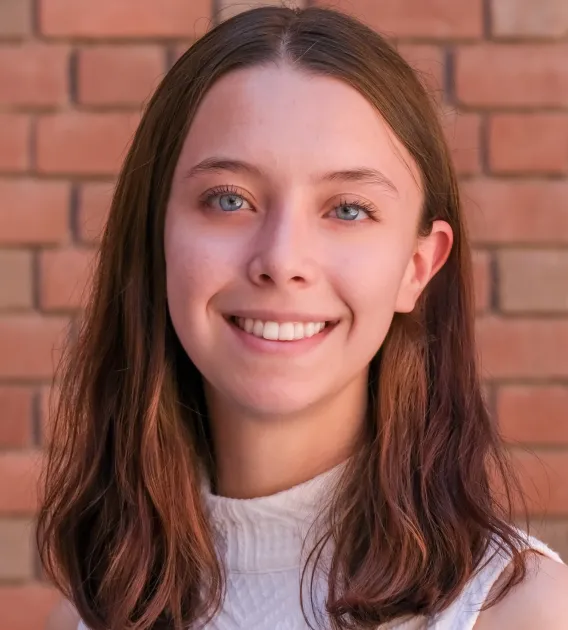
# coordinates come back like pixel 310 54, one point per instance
pixel 272 400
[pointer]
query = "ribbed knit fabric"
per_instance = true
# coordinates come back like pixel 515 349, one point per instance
pixel 260 542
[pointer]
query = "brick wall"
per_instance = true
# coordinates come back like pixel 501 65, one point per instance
pixel 73 74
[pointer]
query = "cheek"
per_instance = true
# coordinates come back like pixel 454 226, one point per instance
pixel 370 276
pixel 195 272
pixel 196 266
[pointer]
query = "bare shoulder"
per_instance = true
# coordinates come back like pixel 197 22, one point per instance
pixel 539 601
pixel 63 617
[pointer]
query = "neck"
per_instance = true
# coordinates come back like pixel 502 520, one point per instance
pixel 259 456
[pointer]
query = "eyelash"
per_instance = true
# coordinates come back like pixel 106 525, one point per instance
pixel 361 204
pixel 215 192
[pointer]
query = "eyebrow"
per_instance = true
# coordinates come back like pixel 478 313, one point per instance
pixel 213 164
pixel 362 175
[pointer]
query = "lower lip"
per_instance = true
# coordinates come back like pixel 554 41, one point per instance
pixel 287 348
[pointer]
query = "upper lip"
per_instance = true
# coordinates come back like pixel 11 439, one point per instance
pixel 279 316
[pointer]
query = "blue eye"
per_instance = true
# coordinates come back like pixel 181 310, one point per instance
pixel 352 212
pixel 225 199
pixel 230 202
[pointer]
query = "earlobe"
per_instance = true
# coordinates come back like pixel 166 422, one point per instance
pixel 429 256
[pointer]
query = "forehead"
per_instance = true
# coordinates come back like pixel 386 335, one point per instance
pixel 295 124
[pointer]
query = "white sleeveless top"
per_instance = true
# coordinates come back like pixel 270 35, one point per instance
pixel 260 542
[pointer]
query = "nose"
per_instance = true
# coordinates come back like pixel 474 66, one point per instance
pixel 282 254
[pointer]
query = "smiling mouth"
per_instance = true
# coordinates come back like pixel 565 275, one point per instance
pixel 280 331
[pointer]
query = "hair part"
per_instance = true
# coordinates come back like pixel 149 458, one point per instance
pixel 416 510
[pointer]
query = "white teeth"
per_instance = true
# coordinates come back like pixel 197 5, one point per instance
pixel 286 332
pixel 274 331
pixel 257 328
pixel 270 331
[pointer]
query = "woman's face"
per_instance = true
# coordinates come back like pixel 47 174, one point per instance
pixel 291 239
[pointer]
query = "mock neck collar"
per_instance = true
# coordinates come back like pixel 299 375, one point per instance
pixel 266 533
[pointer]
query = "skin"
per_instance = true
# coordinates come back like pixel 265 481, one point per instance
pixel 279 420
pixel 539 601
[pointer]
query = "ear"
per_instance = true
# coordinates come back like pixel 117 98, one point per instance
pixel 430 254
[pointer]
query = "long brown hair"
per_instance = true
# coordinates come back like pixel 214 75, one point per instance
pixel 122 531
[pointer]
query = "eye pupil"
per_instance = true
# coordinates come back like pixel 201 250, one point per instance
pixel 348 212
pixel 230 202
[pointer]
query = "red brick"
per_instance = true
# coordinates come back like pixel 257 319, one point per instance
pixel 513 74
pixel 15 132
pixel 534 281
pixel 31 345
pixel 33 212
pixel 49 398
pixel 229 8
pixel 26 607
pixel 487 394
pixel 523 348
pixel 65 278
pixel 16 281
pixel 545 18
pixel 16 416
pixel 33 74
pixel 553 533
pixel 530 143
pixel 127 18
pixel 543 479
pixel 84 143
pixel 516 211
pixel 16 549
pixel 180 49
pixel 533 414
pixel 482 279
pixel 94 204
pixel 19 475
pixel 119 74
pixel 428 63
pixel 15 17
pixel 463 136
pixel 436 19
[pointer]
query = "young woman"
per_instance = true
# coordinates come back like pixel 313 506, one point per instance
pixel 272 417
